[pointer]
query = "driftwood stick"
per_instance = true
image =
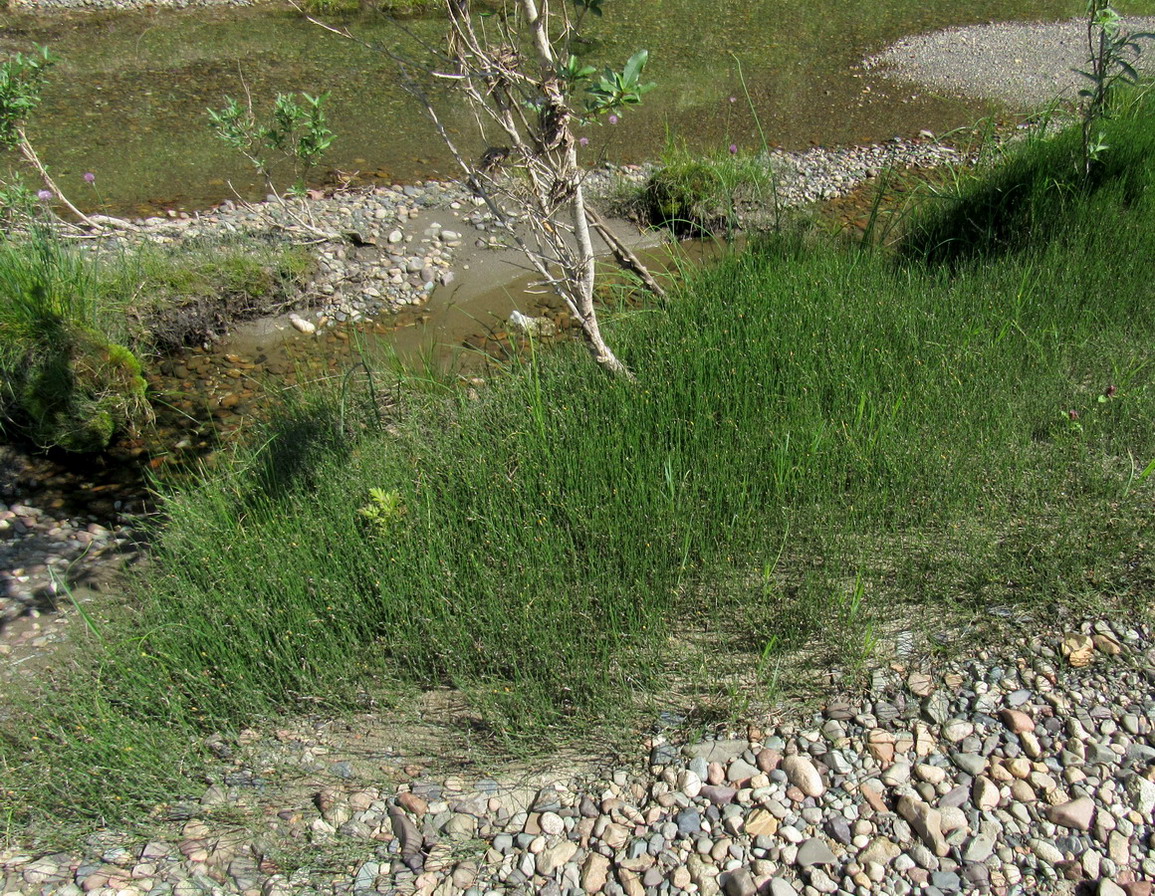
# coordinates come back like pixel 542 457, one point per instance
pixel 625 258
pixel 95 222
pixel 30 156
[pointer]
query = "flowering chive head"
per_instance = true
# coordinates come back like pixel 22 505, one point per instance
pixel 584 141
pixel 613 119
pixel 733 99
pixel 89 177
pixel 44 195
pixel 733 149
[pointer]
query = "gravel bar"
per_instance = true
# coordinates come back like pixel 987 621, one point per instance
pixel 1023 64
pixel 1027 769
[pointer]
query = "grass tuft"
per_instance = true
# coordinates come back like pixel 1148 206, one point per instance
pixel 1030 193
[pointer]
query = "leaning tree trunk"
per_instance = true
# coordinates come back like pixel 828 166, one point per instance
pixel 557 136
pixel 584 288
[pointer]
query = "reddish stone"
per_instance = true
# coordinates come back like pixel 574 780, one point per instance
pixel 411 802
pixel 767 760
pixel 1076 814
pixel 719 796
pixel 874 797
pixel 1017 720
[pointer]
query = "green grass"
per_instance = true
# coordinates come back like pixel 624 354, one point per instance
pixel 65 379
pixel 42 282
pixel 703 195
pixel 1023 195
pixel 139 296
pixel 821 444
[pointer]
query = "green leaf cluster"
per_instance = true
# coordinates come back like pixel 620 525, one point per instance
pixel 21 77
pixel 1113 52
pixel 613 90
pixel 296 131
pixel 385 508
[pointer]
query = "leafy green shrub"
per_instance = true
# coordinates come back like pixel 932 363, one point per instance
pixel 1111 66
pixel 294 132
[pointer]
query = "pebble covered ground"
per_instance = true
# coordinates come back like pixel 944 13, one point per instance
pixel 1024 64
pixel 1025 769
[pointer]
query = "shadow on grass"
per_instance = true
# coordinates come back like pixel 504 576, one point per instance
pixel 1028 199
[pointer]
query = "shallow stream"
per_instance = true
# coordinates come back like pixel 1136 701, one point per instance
pixel 128 98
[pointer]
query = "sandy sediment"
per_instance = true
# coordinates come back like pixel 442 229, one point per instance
pixel 1023 64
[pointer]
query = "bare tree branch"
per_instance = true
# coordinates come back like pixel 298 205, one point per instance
pixel 530 181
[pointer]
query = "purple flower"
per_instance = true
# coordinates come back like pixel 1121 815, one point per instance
pixel 613 119
pixel 89 177
pixel 44 195
pixel 733 99
pixel 584 141
pixel 733 149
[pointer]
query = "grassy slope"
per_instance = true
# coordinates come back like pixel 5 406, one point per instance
pixel 819 439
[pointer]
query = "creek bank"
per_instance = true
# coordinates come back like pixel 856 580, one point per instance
pixel 418 247
pixel 405 241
